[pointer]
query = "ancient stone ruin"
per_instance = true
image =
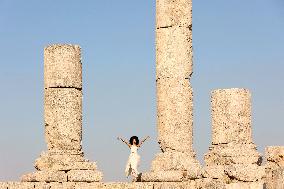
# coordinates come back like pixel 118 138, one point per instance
pixel 177 160
pixel 64 160
pixel 233 156
pixel 232 161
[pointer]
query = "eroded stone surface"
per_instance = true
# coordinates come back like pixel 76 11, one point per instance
pixel 193 184
pixel 173 13
pixel 274 167
pixel 175 114
pixel 227 154
pixel 169 161
pixel 66 161
pixel 63 118
pixel 231 116
pixel 245 185
pixel 246 173
pixel 62 66
pixel 174 53
pixel 45 176
pixel 275 154
pixel 84 176
pixel 233 156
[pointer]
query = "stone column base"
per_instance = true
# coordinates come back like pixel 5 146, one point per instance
pixel 63 166
pixel 173 167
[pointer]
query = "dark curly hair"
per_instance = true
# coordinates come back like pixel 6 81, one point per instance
pixel 132 138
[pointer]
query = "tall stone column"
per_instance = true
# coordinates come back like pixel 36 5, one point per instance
pixel 177 160
pixel 232 156
pixel 64 160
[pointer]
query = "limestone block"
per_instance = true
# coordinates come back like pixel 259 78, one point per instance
pixel 62 66
pixel 216 172
pixel 168 161
pixel 54 185
pixel 278 178
pixel 175 114
pixel 231 116
pixel 209 183
pixel 45 176
pixel 274 178
pixel 173 13
pixel 64 160
pixel 63 118
pixel 165 176
pixel 63 164
pixel 174 185
pixel 18 185
pixel 246 173
pixel 118 185
pixel 227 154
pixel 84 176
pixel 174 53
pixel 275 154
pixel 245 185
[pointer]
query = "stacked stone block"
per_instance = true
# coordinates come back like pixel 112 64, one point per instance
pixel 274 167
pixel 232 156
pixel 64 160
pixel 177 160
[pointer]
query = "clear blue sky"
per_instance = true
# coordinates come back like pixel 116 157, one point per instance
pixel 236 44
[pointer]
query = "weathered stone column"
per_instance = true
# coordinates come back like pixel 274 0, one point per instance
pixel 274 167
pixel 233 156
pixel 177 160
pixel 64 161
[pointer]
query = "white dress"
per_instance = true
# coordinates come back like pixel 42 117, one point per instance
pixel 133 162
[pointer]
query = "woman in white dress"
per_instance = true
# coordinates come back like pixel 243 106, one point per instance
pixel 134 158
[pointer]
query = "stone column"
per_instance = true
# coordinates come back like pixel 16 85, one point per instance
pixel 233 156
pixel 64 160
pixel 274 167
pixel 177 160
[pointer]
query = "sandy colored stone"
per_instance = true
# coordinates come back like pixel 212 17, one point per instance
pixel 175 115
pixel 193 184
pixel 165 176
pixel 63 118
pixel 55 160
pixel 84 176
pixel 173 13
pixel 45 176
pixel 247 173
pixel 274 177
pixel 168 161
pixel 55 185
pixel 227 154
pixel 274 167
pixel 231 116
pixel 174 94
pixel 216 172
pixel 63 162
pixel 17 185
pixel 62 66
pixel 275 154
pixel 116 185
pixel 174 53
pixel 245 185
pixel 278 178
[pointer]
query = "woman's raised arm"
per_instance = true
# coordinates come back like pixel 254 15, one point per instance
pixel 119 138
pixel 143 141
